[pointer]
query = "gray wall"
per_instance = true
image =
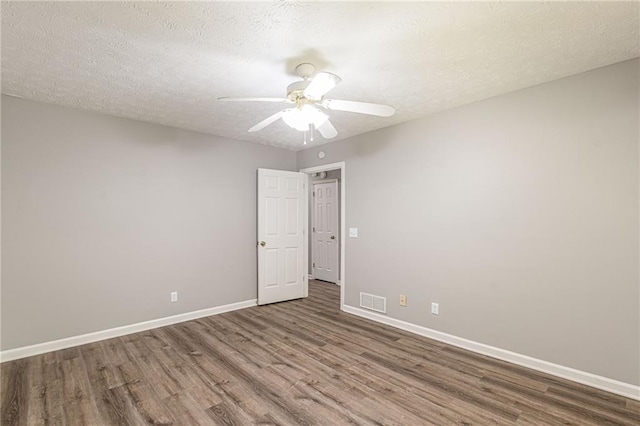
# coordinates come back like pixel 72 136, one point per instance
pixel 518 214
pixel 103 217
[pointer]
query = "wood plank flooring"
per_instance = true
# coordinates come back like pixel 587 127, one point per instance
pixel 295 363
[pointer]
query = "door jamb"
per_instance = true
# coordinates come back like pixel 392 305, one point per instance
pixel 343 208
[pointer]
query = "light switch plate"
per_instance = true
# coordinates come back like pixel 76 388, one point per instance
pixel 353 232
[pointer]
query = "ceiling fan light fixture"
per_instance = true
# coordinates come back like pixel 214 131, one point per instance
pixel 295 119
pixel 308 95
pixel 301 118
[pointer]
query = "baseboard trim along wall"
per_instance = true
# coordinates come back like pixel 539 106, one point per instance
pixel 41 348
pixel 583 377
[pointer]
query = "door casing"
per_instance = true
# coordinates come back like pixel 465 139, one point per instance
pixel 343 209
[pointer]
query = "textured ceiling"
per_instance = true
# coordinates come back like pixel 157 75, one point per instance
pixel 168 62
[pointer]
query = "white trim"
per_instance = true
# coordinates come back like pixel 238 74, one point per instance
pixel 342 166
pixel 55 345
pixel 314 182
pixel 311 275
pixel 589 379
pixel 323 168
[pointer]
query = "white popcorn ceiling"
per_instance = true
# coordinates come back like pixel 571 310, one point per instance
pixel 168 62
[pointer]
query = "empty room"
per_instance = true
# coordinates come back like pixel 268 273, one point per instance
pixel 320 213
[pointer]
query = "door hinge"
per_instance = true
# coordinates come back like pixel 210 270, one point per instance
pixel 314 264
pixel 314 229
pixel 314 193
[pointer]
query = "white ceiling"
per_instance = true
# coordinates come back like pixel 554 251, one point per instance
pixel 168 62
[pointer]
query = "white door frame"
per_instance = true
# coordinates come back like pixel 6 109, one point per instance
pixel 313 221
pixel 343 208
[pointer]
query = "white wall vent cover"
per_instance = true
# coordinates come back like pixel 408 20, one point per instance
pixel 373 302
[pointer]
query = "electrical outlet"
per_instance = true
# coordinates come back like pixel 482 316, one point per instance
pixel 435 309
pixel 403 300
pixel 174 296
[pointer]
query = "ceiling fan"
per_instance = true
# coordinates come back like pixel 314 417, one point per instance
pixel 309 104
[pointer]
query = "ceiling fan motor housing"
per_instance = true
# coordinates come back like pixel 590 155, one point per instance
pixel 295 90
pixel 305 70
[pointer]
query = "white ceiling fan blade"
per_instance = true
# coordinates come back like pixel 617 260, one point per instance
pixel 321 84
pixel 232 99
pixel 327 130
pixel 264 123
pixel 359 107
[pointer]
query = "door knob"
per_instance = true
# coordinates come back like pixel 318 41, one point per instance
pixel 262 243
pixel 333 237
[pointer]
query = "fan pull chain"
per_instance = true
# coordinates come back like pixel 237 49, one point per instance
pixel 311 132
pixel 304 142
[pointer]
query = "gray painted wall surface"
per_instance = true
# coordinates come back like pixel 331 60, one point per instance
pixel 518 214
pixel 103 217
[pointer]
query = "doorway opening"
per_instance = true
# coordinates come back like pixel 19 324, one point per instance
pixel 324 226
pixel 326 236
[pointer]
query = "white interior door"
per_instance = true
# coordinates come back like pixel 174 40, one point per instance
pixel 282 218
pixel 325 231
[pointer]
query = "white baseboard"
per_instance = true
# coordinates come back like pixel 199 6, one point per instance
pixel 311 277
pixel 41 348
pixel 583 377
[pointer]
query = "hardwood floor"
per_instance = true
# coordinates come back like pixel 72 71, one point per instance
pixel 296 363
